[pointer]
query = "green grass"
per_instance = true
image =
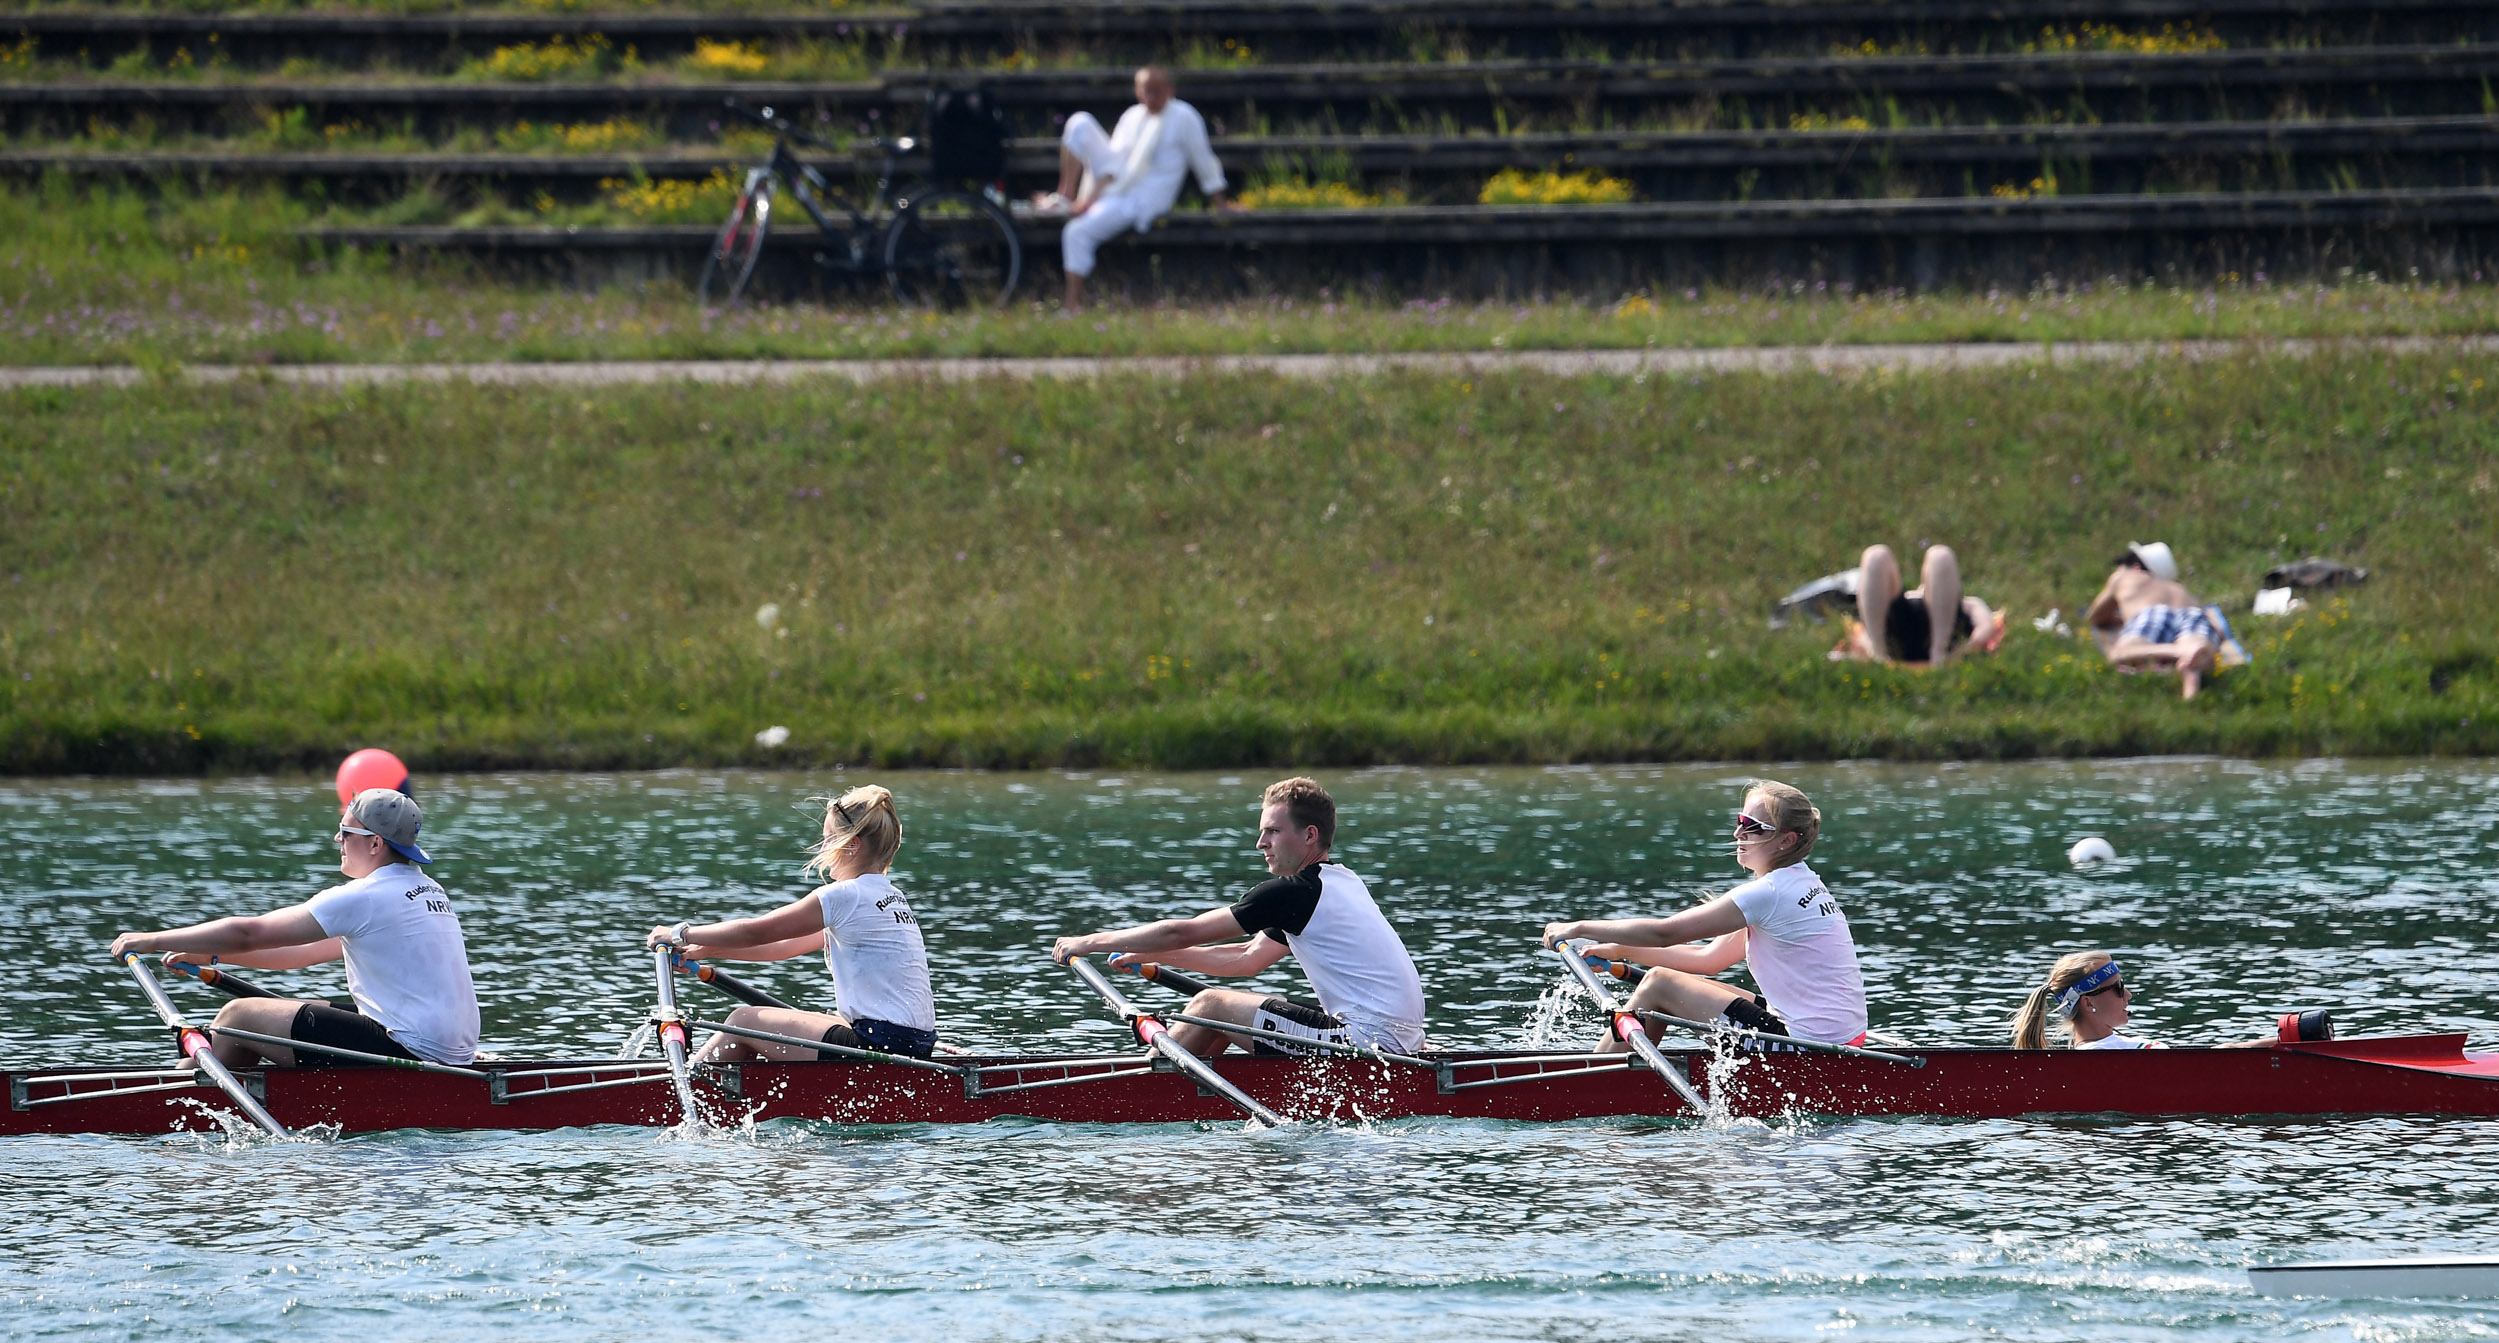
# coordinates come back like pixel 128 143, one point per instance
pixel 112 276
pixel 1214 571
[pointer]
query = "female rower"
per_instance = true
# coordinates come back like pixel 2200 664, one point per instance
pixel 1784 921
pixel 871 942
pixel 2087 993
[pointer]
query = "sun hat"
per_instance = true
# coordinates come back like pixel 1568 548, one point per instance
pixel 2154 556
pixel 394 816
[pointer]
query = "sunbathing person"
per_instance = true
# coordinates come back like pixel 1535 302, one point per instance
pixel 1784 921
pixel 870 937
pixel 2157 622
pixel 1897 626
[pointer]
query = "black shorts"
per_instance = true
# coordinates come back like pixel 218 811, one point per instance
pixel 882 1036
pixel 1292 1016
pixel 1909 629
pixel 322 1024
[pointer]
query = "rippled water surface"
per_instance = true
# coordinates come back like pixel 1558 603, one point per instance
pixel 2241 890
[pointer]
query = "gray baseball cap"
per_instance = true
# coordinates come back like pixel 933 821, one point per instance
pixel 394 816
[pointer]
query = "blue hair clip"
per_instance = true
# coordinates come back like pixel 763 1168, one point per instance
pixel 2090 983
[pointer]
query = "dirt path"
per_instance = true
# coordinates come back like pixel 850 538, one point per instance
pixel 1568 363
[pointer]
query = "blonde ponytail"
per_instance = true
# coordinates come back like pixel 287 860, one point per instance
pixel 2030 1025
pixel 864 820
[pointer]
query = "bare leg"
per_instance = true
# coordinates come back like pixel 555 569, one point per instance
pixel 726 1048
pixel 267 1016
pixel 1677 995
pixel 1878 581
pixel 1942 578
pixel 1071 172
pixel 1075 292
pixel 1237 1006
pixel 2195 662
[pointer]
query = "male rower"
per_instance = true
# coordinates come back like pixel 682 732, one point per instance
pixel 407 965
pixel 1317 910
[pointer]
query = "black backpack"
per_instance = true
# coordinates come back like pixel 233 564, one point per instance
pixel 967 137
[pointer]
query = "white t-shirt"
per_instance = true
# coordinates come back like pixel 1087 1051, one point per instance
pixel 2110 1042
pixel 407 965
pixel 1802 954
pixel 872 945
pixel 1356 963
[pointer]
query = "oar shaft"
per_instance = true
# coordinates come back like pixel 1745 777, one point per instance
pixel 195 1046
pixel 224 981
pixel 1173 979
pixel 1154 1035
pixel 728 983
pixel 672 1036
pixel 1628 1029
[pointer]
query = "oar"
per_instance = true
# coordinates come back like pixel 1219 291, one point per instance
pixel 728 983
pixel 1153 1035
pixel 1628 1028
pixel 672 1037
pixel 224 981
pixel 1169 978
pixel 196 1048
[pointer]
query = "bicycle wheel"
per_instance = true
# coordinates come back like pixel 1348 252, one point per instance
pixel 739 245
pixel 952 249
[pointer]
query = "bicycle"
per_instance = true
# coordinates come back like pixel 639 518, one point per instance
pixel 940 247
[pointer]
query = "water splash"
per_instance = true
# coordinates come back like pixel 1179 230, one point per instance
pixel 1555 1023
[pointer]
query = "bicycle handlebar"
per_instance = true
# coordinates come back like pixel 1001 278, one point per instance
pixel 776 125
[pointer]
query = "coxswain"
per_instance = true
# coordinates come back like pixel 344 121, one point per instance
pixel 2088 996
pixel 407 963
pixel 868 932
pixel 1314 909
pixel 1784 922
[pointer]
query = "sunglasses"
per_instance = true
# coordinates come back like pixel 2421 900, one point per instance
pixel 1748 828
pixel 2116 986
pixel 344 830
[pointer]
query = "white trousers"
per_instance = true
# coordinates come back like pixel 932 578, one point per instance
pixel 1085 138
pixel 1109 217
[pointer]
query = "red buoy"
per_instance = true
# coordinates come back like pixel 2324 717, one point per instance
pixel 371 767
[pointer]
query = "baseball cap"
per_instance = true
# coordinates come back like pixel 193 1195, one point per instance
pixel 394 816
pixel 2154 556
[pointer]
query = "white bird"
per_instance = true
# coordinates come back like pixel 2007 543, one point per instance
pixel 772 736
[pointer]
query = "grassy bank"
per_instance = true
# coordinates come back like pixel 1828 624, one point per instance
pixel 1214 571
pixel 121 277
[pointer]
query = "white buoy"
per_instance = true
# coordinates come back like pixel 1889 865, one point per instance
pixel 2091 850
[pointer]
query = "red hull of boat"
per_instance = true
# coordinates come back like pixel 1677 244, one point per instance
pixel 2403 1075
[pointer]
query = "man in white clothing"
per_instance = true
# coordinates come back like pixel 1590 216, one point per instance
pixel 1315 910
pixel 1126 179
pixel 407 964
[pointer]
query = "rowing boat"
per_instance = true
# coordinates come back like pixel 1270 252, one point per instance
pixel 2417 1074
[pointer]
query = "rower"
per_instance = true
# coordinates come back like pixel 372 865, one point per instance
pixel 1784 921
pixel 867 930
pixel 407 963
pixel 1318 911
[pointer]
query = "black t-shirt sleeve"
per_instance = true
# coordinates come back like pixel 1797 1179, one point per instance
pixel 1280 906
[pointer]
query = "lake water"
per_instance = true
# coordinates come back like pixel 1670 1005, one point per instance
pixel 2241 890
